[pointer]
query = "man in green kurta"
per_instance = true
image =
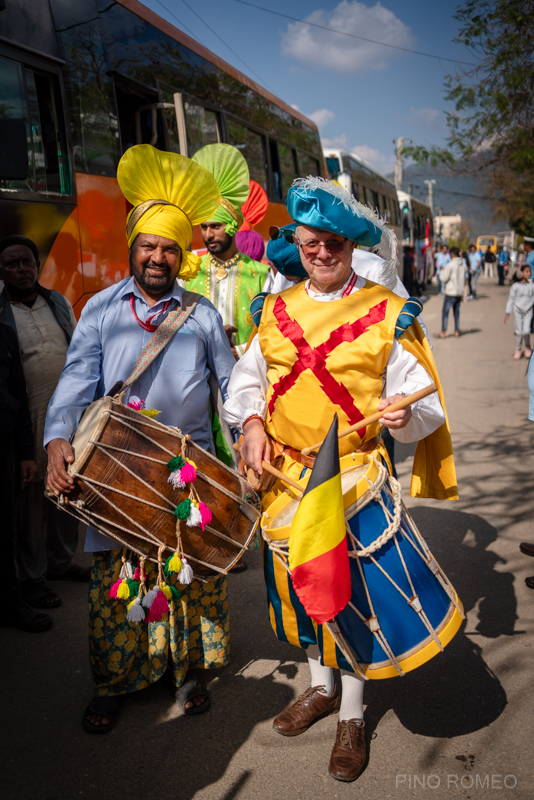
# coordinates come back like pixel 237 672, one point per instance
pixel 227 277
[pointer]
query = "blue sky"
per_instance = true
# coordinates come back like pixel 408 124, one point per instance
pixel 361 95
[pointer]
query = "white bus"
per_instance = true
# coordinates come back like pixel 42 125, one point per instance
pixel 414 218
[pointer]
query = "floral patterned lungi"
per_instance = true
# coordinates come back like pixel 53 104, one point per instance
pixel 127 656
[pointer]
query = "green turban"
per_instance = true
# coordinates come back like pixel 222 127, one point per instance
pixel 230 170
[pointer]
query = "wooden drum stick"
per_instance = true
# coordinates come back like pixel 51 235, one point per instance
pixel 280 475
pixel 400 404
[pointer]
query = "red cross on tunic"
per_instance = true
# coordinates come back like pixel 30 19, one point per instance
pixel 314 358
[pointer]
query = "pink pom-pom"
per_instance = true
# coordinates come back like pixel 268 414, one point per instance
pixel 114 589
pixel 137 574
pixel 136 403
pixel 205 513
pixel 188 473
pixel 159 607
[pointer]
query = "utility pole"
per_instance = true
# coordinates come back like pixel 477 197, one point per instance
pixel 430 194
pixel 398 164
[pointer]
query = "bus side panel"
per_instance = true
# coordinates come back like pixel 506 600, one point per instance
pixel 62 270
pixel 40 222
pixel 104 249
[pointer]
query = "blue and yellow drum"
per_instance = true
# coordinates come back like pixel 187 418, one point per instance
pixel 403 610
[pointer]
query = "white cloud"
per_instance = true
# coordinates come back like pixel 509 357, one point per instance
pixel 427 117
pixel 337 142
pixel 324 49
pixel 380 161
pixel 322 117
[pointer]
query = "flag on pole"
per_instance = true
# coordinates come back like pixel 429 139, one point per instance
pixel 318 553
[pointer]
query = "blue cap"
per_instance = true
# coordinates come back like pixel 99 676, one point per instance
pixel 323 205
pixel 285 256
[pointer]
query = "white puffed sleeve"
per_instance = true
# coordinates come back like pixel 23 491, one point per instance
pixel 247 387
pixel 405 375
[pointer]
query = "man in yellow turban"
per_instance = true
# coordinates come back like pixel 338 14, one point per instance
pixel 227 277
pixel 169 194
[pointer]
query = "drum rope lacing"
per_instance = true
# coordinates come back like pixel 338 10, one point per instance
pixel 89 515
pixel 280 550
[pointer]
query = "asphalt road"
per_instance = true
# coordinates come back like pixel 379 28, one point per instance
pixel 458 727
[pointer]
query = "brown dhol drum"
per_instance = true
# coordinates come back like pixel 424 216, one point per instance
pixel 121 488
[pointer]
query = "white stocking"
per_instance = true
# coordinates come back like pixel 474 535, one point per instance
pixel 351 696
pixel 320 675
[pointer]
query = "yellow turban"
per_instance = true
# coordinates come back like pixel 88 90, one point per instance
pixel 169 193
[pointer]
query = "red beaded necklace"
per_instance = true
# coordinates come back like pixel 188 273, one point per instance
pixel 147 326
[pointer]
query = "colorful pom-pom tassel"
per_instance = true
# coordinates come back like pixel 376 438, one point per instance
pixel 114 588
pixel 166 590
pixel 185 576
pixel 135 611
pixel 150 412
pixel 123 592
pixel 134 587
pixel 182 509
pixel 175 593
pixel 137 574
pixel 175 463
pixel 149 597
pixel 136 403
pixel 194 520
pixel 173 563
pixel 188 472
pixel 158 608
pixel 205 513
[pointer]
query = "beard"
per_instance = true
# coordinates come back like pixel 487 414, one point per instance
pixel 22 294
pixel 219 248
pixel 151 283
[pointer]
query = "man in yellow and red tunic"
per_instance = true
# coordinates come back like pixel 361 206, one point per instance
pixel 335 343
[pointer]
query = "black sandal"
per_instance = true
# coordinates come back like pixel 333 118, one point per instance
pixel 105 706
pixel 38 595
pixel 187 691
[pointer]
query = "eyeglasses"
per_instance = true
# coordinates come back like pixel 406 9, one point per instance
pixel 275 232
pixel 333 246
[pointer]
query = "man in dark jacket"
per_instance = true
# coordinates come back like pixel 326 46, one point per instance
pixel 43 322
pixel 16 462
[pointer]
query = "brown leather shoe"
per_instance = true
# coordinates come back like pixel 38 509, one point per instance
pixel 527 548
pixel 349 752
pixel 310 706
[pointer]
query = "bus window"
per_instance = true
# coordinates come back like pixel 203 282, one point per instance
pixel 33 97
pixel 333 166
pixel 310 166
pixel 202 126
pixel 283 168
pixel 252 146
pixel 140 120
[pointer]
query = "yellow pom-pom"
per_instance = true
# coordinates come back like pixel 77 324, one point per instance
pixel 150 412
pixel 190 461
pixel 175 564
pixel 123 592
pixel 166 590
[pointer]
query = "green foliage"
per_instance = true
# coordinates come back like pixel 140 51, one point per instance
pixel 492 124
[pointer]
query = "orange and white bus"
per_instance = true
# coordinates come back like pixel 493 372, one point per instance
pixel 82 81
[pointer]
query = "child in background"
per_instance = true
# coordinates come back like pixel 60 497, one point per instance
pixel 521 302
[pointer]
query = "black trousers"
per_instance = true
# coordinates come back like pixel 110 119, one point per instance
pixel 500 269
pixel 8 524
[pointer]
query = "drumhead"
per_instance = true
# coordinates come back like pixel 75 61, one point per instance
pixel 349 479
pixel 91 424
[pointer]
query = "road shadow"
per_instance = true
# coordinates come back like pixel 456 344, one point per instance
pixel 455 693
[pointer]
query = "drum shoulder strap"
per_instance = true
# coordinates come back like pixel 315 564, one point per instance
pixel 163 335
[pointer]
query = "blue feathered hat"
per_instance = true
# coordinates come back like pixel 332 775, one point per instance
pixel 285 256
pixel 322 204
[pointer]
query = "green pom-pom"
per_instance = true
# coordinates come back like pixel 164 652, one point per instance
pixel 175 463
pixel 182 509
pixel 175 593
pixel 134 587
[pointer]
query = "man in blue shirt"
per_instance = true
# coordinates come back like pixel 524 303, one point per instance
pixel 528 245
pixel 442 259
pixel 114 327
pixel 475 268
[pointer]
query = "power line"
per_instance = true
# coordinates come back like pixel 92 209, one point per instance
pixel 353 35
pixel 226 45
pixel 179 21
